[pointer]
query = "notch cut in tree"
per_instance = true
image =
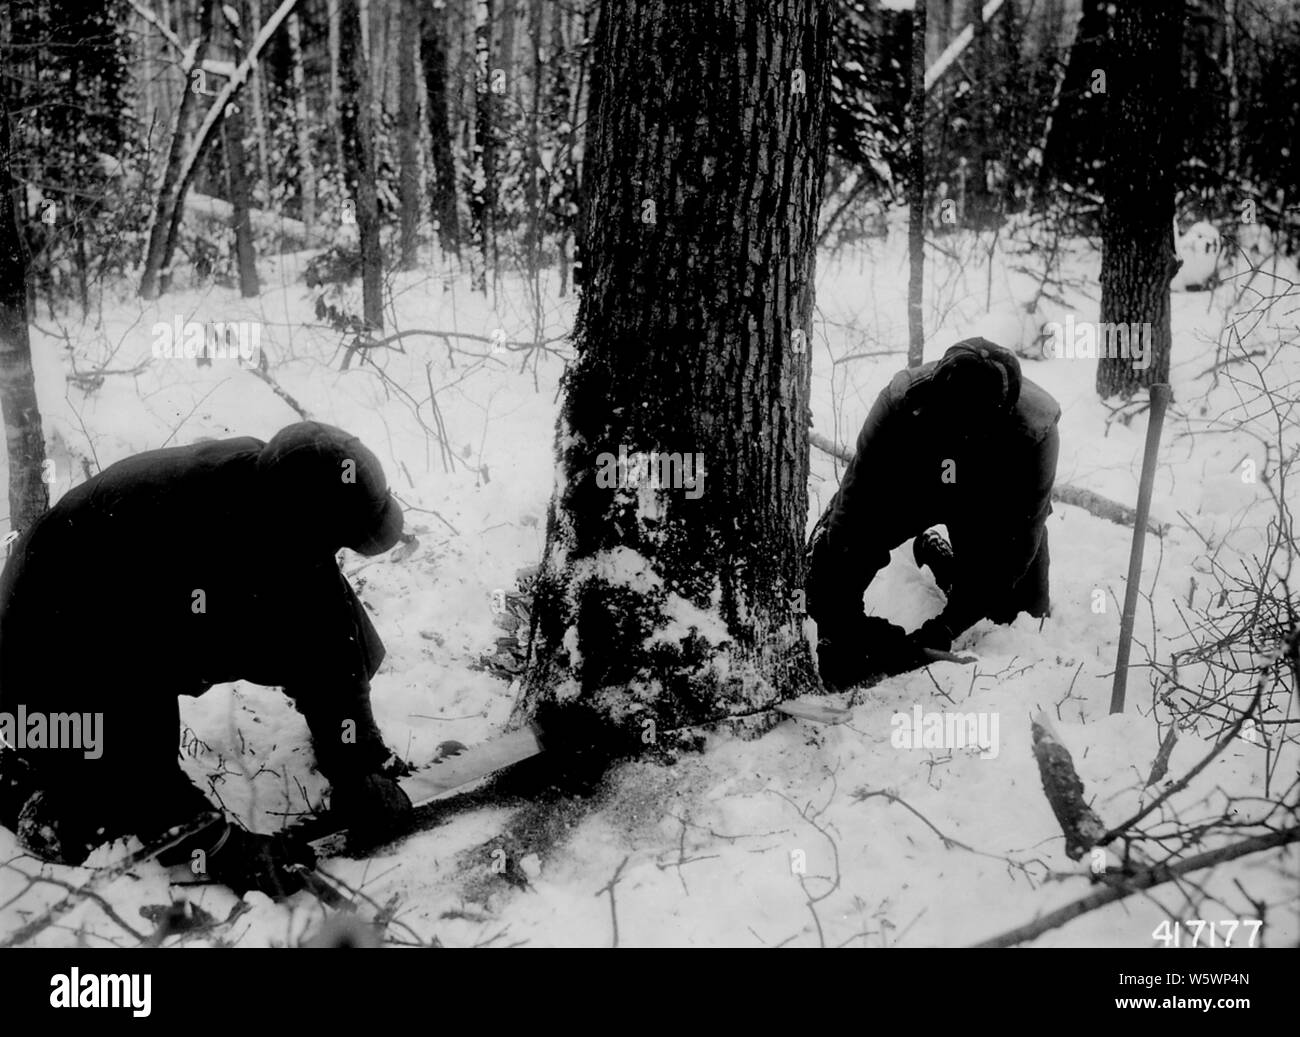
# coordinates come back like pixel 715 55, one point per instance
pixel 658 607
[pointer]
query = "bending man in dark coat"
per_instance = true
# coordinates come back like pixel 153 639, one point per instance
pixel 964 442
pixel 170 572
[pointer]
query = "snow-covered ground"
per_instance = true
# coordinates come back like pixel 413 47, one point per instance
pixel 765 842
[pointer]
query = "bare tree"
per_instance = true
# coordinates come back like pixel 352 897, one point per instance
pixel 408 130
pixel 482 201
pixel 302 128
pixel 442 178
pixel 28 493
pixel 916 192
pixel 335 29
pixel 169 194
pixel 241 191
pixel 359 154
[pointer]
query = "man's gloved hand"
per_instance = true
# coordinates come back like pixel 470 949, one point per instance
pixel 244 860
pixel 857 649
pixel 933 633
pixel 339 760
pixel 372 807
pixel 910 652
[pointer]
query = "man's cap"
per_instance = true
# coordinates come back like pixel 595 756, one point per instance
pixel 335 483
pixel 978 366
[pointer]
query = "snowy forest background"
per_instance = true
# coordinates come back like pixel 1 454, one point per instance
pixel 390 201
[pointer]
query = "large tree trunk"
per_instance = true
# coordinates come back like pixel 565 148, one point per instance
pixel 1142 146
pixel 155 274
pixel 408 130
pixel 442 188
pixel 28 493
pixel 663 606
pixel 359 155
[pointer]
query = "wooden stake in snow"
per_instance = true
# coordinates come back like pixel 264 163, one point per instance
pixel 1159 401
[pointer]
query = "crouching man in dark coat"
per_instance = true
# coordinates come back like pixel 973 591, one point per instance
pixel 964 442
pixel 170 572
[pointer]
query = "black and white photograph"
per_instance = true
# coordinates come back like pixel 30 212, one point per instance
pixel 662 474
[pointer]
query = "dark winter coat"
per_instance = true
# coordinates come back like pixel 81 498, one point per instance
pixel 912 469
pixel 178 569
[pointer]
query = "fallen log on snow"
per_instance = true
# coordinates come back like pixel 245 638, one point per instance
pixel 1145 879
pixel 1082 827
pixel 1104 507
pixel 1062 493
pixel 292 233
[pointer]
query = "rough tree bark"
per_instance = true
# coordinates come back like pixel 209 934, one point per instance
pixel 442 180
pixel 1142 144
pixel 25 442
pixel 659 607
pixel 358 125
